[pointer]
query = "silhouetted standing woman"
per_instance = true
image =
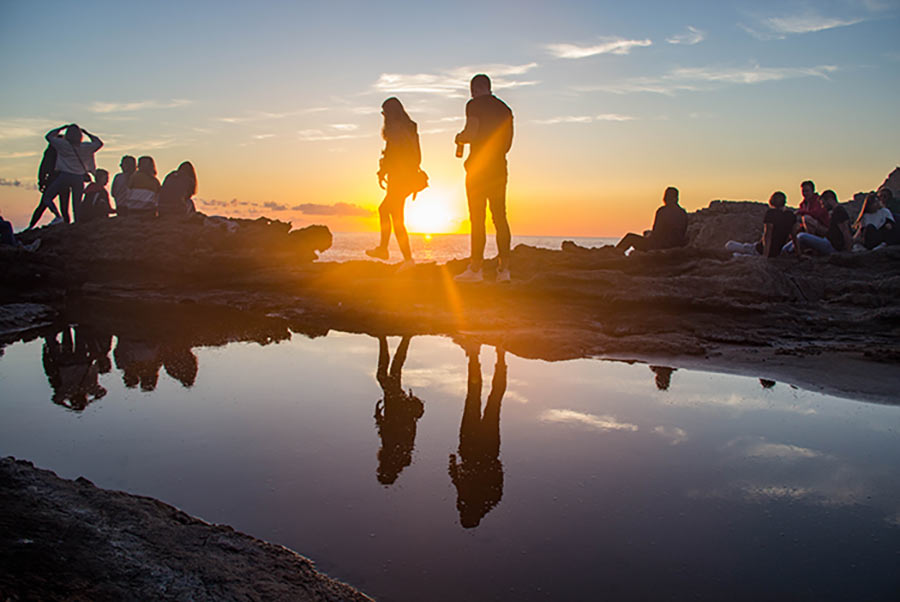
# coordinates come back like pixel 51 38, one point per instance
pixel 399 165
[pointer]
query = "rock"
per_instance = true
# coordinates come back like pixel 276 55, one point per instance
pixel 69 540
pixel 16 318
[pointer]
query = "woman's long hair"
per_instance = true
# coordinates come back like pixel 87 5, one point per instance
pixel 395 118
pixel 187 169
pixel 870 205
pixel 147 165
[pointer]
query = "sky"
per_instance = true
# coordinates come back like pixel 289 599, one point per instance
pixel 277 104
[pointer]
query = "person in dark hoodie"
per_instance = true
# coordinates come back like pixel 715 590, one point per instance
pixel 177 189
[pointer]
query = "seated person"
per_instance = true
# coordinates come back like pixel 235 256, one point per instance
pixel 8 237
pixel 669 227
pixel 837 238
pixel 143 190
pixel 778 226
pixel 176 192
pixel 812 214
pixel 886 196
pixel 95 205
pixel 875 224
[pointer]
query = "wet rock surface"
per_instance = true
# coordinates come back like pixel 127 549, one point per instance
pixel 69 540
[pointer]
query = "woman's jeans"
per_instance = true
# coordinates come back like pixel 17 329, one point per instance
pixel 65 180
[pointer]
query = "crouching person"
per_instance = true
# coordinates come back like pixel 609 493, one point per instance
pixel 779 224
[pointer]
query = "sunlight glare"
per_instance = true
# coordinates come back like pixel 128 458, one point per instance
pixel 431 213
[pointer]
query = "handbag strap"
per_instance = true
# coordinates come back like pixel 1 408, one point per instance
pixel 77 156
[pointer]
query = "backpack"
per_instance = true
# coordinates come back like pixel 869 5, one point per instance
pixel 47 168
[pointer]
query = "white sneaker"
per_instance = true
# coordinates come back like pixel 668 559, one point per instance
pixel 406 265
pixel 56 221
pixel 503 276
pixel 857 248
pixel 880 246
pixel 33 245
pixel 470 275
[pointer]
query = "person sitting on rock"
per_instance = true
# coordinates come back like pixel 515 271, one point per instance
pixel 143 189
pixel 875 225
pixel 128 164
pixel 669 227
pixel 8 238
pixel 837 238
pixel 886 196
pixel 812 214
pixel 778 226
pixel 176 192
pixel 95 205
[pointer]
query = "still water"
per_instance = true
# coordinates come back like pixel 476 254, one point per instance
pixel 420 469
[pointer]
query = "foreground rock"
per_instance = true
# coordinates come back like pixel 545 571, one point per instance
pixel 69 540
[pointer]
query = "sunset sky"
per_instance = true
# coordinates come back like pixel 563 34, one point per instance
pixel 277 104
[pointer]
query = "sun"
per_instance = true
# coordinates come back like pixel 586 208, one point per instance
pixel 431 212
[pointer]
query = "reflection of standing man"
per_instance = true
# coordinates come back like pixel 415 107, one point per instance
pixel 478 474
pixel 489 133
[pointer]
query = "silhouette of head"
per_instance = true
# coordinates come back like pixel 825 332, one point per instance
pixel 766 383
pixel 829 199
pixel 663 376
pixel 807 189
pixel 670 196
pixel 187 169
pixel 128 163
pixel 101 176
pixel 885 195
pixel 778 199
pixel 147 165
pixel 871 204
pixel 73 134
pixel 480 85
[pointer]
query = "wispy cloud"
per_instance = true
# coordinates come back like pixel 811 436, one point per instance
pixel 674 434
pixel 583 119
pixel 617 46
pixel 690 37
pixel 254 116
pixel 693 79
pixel 12 129
pixel 17 184
pixel 781 26
pixel 453 82
pixel 600 423
pixel 339 209
pixel 121 107
pixel 345 127
pixel 18 155
pixel 263 136
pixel 315 135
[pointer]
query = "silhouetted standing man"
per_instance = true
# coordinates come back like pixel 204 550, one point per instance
pixel 489 133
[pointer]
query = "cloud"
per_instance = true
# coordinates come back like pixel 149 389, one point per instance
pixel 18 155
pixel 11 129
pixel 583 119
pixel 254 116
pixel 617 46
pixel 600 423
pixel 694 79
pixel 345 127
pixel 339 209
pixel 807 23
pixel 690 37
pixel 272 205
pixel 674 434
pixel 452 82
pixel 318 135
pixel 17 184
pixel 263 136
pixel 119 107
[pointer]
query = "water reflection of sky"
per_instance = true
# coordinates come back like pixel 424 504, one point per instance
pixel 409 478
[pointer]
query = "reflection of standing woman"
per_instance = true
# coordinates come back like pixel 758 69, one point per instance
pixel 399 165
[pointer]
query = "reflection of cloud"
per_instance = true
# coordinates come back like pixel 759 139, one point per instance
pixel 692 79
pixel 452 82
pixel 601 423
pixel 674 434
pixel 583 119
pixel 690 37
pixel 618 46
pixel 781 451
pixel 119 107
pixel 341 209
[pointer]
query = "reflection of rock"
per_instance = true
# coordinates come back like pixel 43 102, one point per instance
pixel 69 540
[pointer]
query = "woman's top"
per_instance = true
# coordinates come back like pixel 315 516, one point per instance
pixel 143 189
pixel 66 158
pixel 175 196
pixel 877 218
pixel 401 155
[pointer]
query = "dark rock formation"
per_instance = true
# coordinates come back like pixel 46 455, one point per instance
pixel 69 540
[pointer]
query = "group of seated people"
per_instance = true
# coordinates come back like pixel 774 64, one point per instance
pixel 138 193
pixel 822 226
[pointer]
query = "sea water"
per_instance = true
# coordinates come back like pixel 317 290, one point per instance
pixel 419 469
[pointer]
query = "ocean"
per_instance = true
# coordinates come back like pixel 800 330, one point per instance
pixel 440 248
